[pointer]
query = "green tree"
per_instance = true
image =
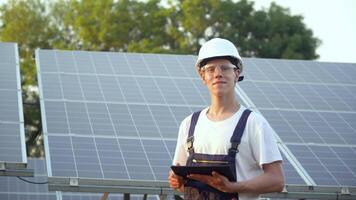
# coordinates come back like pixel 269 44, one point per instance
pixel 173 26
pixel 272 33
pixel 25 23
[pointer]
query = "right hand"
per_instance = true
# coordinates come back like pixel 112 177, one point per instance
pixel 176 182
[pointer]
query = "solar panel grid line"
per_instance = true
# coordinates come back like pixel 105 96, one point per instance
pixel 293 125
pixel 323 74
pixel 125 164
pixel 178 61
pixel 298 100
pixel 337 99
pixel 116 80
pixel 284 149
pixel 344 163
pixel 43 113
pixel 138 130
pixel 151 110
pixel 175 84
pixel 112 124
pixel 331 127
pixel 274 70
pixel 68 124
pixel 306 72
pixel 326 165
pixel 322 164
pixel 296 164
pixel 311 111
pixel 333 71
pixel 309 125
pixel 301 95
pixel 281 94
pixel 194 78
pixel 298 83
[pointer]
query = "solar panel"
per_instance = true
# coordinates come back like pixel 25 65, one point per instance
pixel 311 106
pixel 110 120
pixel 114 116
pixel 13 158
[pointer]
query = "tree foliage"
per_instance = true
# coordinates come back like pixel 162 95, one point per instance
pixel 170 26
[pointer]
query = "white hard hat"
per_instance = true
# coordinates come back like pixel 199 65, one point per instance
pixel 218 47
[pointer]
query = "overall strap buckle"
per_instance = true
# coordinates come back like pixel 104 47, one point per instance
pixel 190 146
pixel 234 149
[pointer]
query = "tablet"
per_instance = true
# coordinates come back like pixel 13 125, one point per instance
pixel 183 171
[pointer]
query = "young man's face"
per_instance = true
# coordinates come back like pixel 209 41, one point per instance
pixel 220 76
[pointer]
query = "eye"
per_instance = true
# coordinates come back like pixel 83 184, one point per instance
pixel 210 69
pixel 224 68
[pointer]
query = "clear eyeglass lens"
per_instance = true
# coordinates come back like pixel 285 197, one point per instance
pixel 223 68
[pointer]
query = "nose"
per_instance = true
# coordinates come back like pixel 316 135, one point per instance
pixel 217 72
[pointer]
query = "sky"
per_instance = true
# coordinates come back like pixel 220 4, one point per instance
pixel 332 21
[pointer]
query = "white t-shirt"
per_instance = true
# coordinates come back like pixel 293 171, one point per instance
pixel 258 144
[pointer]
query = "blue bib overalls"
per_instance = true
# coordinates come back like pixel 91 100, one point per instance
pixel 194 190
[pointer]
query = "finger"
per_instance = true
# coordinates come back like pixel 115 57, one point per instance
pixel 216 174
pixel 199 177
pixel 219 176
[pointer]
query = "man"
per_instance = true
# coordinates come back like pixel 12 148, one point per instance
pixel 226 133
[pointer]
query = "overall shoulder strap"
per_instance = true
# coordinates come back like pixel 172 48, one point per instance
pixel 239 130
pixel 193 123
pixel 190 139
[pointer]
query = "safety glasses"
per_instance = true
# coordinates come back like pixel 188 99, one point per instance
pixel 224 68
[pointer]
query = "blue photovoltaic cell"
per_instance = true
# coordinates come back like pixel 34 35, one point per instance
pixel 311 106
pixel 12 134
pixel 328 165
pixel 290 173
pixel 115 115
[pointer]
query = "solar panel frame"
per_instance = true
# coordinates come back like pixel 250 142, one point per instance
pixel 13 165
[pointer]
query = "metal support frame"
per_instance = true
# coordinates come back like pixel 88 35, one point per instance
pixel 162 189
pixel 15 169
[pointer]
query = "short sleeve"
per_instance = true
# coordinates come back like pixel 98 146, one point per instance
pixel 181 155
pixel 265 148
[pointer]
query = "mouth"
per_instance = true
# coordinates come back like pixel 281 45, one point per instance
pixel 219 82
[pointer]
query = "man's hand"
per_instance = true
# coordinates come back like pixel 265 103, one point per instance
pixel 176 182
pixel 215 180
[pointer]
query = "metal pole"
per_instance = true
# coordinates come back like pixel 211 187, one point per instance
pixel 126 196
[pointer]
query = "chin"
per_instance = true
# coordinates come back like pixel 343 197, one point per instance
pixel 219 93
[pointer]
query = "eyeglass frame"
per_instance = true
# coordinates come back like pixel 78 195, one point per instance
pixel 223 68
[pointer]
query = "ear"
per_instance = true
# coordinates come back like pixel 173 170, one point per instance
pixel 237 73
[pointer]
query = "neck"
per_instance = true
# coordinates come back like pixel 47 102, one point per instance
pixel 222 108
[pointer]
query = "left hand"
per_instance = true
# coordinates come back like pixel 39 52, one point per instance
pixel 215 180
